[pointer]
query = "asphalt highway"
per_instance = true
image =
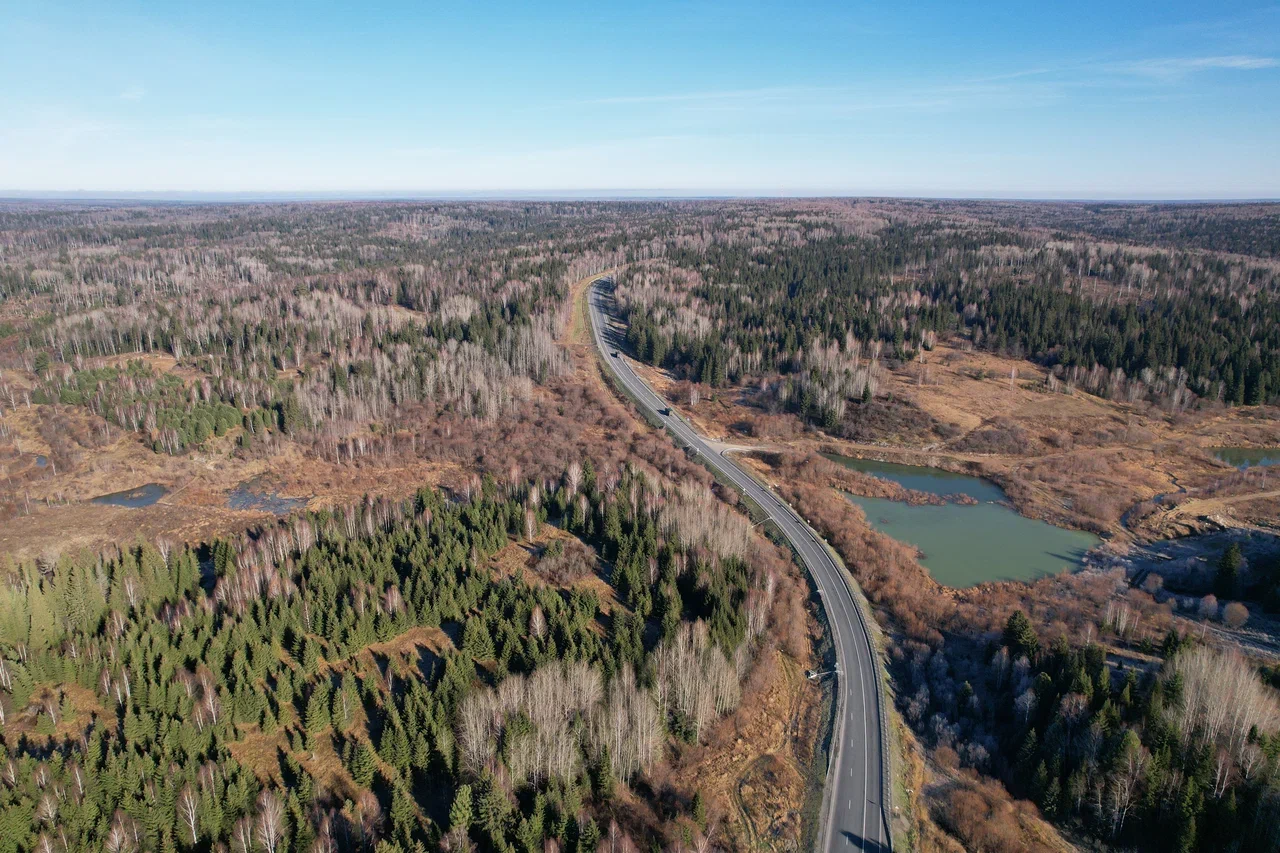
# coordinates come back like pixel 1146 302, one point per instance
pixel 855 806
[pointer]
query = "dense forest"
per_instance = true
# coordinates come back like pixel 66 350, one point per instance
pixel 1185 760
pixel 176 698
pixel 822 310
pixel 374 675
pixel 1239 229
pixel 315 321
pixel 287 345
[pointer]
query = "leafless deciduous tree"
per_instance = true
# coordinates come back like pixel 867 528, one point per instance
pixel 189 812
pixel 695 680
pixel 628 724
pixel 123 836
pixel 270 825
pixel 242 835
pixel 1222 700
pixel 1124 783
pixel 693 514
pixel 47 809
pixel 539 720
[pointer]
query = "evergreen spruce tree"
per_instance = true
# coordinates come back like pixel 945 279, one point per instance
pixel 403 819
pixel 461 814
pixel 1227 578
pixel 317 715
pixel 698 810
pixel 1020 636
pixel 364 765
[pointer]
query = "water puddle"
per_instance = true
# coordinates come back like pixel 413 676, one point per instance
pixel 919 478
pixel 252 496
pixel 1247 457
pixel 134 498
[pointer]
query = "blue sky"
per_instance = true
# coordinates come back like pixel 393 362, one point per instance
pixel 1099 100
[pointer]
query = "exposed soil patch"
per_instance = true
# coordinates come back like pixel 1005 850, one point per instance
pixel 756 782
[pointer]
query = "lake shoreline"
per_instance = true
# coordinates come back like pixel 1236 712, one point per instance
pixel 963 544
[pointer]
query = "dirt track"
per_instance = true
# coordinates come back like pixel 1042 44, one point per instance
pixel 1209 507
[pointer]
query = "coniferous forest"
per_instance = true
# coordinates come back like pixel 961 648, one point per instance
pixel 1118 320
pixel 154 688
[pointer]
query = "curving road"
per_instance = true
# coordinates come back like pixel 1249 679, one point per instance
pixel 855 802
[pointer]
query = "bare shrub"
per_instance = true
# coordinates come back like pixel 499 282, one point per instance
pixel 574 562
pixel 985 817
pixel 1003 437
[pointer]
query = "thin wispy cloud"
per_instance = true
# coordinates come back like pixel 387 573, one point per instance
pixel 55 130
pixel 1016 89
pixel 1176 68
pixel 769 93
pixel 133 93
pixel 1012 75
pixel 1021 88
pixel 204 121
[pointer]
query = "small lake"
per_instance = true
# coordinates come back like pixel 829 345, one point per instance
pixel 1246 457
pixel 967 545
pixel 134 498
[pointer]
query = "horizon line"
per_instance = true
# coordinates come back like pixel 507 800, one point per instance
pixel 611 194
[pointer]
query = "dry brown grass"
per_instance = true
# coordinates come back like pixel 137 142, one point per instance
pixel 405 652
pixel 523 559
pixel 260 752
pixel 81 711
pixel 981 814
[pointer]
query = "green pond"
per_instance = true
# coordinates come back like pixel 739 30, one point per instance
pixel 967 545
pixel 1246 457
